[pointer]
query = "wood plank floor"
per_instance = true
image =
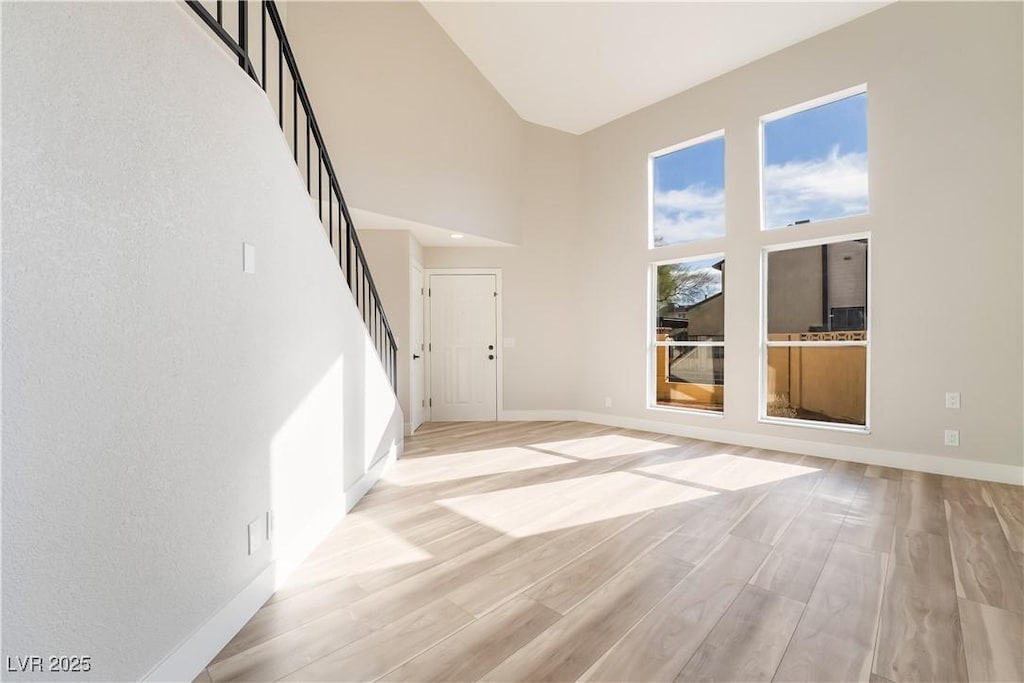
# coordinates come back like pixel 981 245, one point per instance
pixel 569 551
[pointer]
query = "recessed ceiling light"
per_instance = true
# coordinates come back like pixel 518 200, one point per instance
pixel 457 235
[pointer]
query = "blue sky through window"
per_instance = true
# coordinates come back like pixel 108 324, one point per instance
pixel 816 163
pixel 689 193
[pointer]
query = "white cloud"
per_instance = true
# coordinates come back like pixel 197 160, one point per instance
pixel 715 278
pixel 823 188
pixel 693 213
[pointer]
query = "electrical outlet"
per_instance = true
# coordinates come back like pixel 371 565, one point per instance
pixel 952 399
pixel 952 437
pixel 607 401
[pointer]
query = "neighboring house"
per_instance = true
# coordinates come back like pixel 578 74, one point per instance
pixel 815 289
pixel 694 376
pixel 673 317
pixel 818 289
pixel 704 319
pixel 707 318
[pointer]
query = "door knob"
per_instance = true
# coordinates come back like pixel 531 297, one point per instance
pixel 415 356
pixel 490 357
pixel 490 347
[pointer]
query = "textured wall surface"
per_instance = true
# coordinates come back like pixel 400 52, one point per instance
pixel 388 253
pixel 546 307
pixel 155 398
pixel 944 131
pixel 419 133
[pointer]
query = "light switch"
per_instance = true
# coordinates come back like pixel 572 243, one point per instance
pixel 509 342
pixel 257 535
pixel 952 399
pixel 248 258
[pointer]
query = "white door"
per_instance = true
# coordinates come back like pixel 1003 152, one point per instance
pixel 463 347
pixel 417 363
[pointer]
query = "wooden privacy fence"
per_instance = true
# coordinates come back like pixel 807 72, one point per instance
pixel 829 381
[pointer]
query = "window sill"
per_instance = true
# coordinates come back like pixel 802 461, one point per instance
pixel 811 424
pixel 686 411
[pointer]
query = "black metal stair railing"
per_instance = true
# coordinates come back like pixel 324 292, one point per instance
pixel 338 224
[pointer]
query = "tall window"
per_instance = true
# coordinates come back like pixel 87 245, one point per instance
pixel 689 334
pixel 815 160
pixel 816 333
pixel 688 191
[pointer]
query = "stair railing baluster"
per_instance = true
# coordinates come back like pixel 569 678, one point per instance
pixel 353 261
pixel 280 83
pixel 243 32
pixel 263 48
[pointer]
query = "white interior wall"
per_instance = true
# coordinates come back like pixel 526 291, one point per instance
pixel 944 108
pixel 117 463
pixel 155 398
pixel 415 131
pixel 944 153
pixel 546 308
pixel 389 254
pixel 415 251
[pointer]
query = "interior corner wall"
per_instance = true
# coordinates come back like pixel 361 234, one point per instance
pixel 945 138
pixel 414 129
pixel 156 399
pixel 546 308
pixel 389 253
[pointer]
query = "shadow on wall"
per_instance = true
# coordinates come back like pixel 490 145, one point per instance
pixel 305 469
pixel 156 398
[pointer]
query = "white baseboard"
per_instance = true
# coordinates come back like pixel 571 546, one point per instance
pixel 919 462
pixel 195 652
pixel 288 558
pixel 191 657
pixel 539 415
pixel 355 492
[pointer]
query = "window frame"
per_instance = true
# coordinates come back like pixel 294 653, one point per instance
pixel 691 142
pixel 801 107
pixel 653 344
pixel 764 344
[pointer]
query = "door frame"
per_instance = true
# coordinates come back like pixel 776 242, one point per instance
pixel 499 345
pixel 421 284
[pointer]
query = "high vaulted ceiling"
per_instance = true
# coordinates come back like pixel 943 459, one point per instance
pixel 577 65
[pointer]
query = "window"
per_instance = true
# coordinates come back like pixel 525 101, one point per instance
pixel 815 161
pixel 689 334
pixel 688 192
pixel 848 318
pixel 816 333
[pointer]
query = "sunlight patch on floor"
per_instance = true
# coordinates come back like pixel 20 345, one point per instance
pixel 727 472
pixel 529 510
pixel 386 551
pixel 438 468
pixel 606 446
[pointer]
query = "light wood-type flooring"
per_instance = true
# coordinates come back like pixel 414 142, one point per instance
pixel 569 551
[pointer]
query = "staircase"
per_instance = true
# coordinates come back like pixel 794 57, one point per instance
pixel 233 23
